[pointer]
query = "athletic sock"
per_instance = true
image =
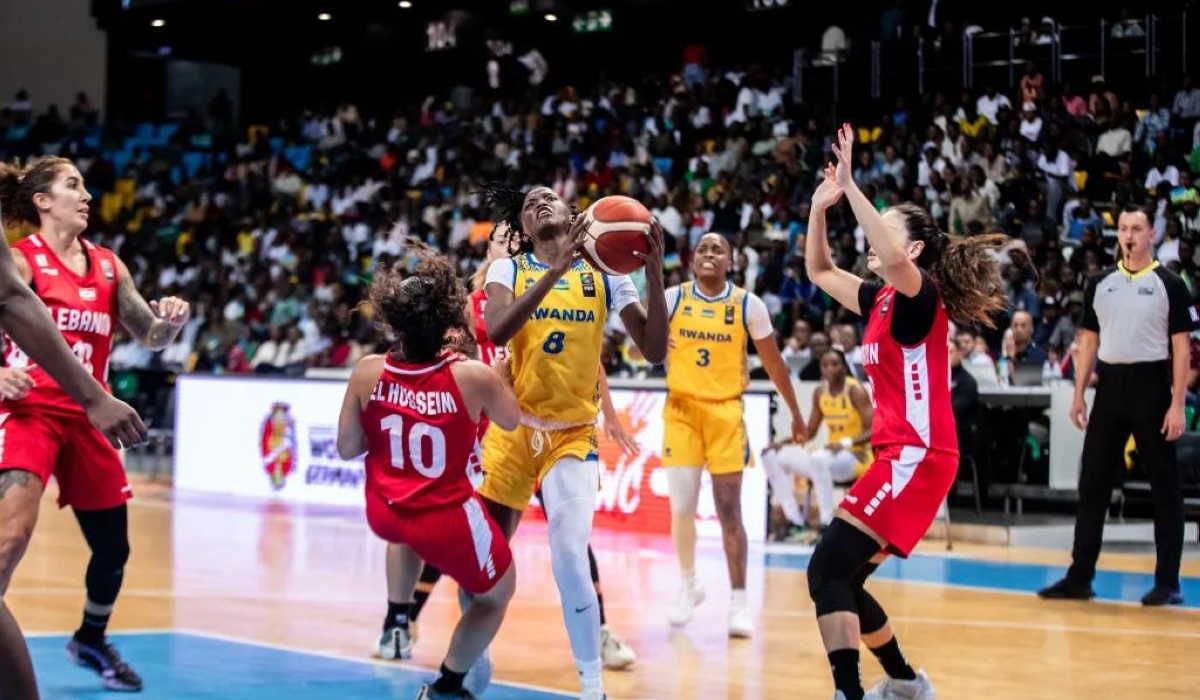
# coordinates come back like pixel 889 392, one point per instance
pixel 448 681
pixel 738 599
pixel 847 676
pixel 689 576
pixel 398 615
pixel 94 626
pixel 600 604
pixel 419 599
pixel 893 661
pixel 589 675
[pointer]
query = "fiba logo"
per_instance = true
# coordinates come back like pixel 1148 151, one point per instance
pixel 277 444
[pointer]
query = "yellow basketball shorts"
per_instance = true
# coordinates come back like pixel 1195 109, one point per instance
pixel 514 462
pixel 711 434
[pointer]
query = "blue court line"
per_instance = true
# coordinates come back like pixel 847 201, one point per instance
pixel 183 666
pixel 1115 586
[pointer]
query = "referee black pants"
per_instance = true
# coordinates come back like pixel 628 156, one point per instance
pixel 1131 398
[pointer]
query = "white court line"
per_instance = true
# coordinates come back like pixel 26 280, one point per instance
pixel 351 659
pixel 110 633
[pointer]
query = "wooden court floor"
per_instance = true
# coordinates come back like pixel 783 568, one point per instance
pixel 313 579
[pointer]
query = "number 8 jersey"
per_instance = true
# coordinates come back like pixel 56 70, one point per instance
pixel 83 307
pixel 421 441
pixel 556 354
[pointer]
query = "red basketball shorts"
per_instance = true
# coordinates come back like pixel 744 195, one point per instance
pixel 901 493
pixel 462 541
pixel 89 470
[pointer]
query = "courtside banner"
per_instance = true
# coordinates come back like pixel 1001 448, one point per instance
pixel 277 439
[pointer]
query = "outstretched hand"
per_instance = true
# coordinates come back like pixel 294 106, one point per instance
pixel 845 155
pixel 829 192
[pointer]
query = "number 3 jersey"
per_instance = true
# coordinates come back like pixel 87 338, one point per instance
pixel 84 307
pixel 707 357
pixel 556 354
pixel 421 441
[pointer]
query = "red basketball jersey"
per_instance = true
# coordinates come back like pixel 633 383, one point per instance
pixel 421 441
pixel 910 385
pixel 489 352
pixel 84 307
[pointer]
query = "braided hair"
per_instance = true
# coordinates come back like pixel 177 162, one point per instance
pixel 506 200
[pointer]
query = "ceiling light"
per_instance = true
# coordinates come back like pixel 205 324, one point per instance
pixel 324 16
pixel 551 18
pixel 405 4
pixel 159 23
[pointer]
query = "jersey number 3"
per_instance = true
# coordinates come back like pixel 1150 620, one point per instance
pixel 703 360
pixel 417 434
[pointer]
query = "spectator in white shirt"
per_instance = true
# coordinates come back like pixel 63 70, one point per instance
pixel 1116 142
pixel 1031 122
pixel 990 103
pixel 1161 172
pixel 1057 169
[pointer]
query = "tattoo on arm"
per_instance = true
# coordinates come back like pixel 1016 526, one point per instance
pixel 14 478
pixel 139 320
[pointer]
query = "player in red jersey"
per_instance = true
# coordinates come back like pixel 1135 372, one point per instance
pixel 394 644
pixel 415 412
pixel 928 278
pixel 43 429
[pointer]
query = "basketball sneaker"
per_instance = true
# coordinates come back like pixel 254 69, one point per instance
pixel 103 658
pixel 893 689
pixel 614 651
pixel 690 595
pixel 1065 589
pixel 395 644
pixel 427 692
pixel 740 624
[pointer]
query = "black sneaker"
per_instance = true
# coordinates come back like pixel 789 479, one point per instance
pixel 1163 596
pixel 427 692
pixel 104 660
pixel 1065 590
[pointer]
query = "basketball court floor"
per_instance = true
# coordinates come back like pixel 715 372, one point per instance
pixel 246 601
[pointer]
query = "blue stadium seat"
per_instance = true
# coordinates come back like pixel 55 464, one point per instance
pixel 192 162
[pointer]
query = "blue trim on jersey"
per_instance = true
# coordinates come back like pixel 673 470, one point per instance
pixel 513 287
pixel 592 456
pixel 608 298
pixel 745 316
pixel 678 298
pixel 535 262
pixel 721 297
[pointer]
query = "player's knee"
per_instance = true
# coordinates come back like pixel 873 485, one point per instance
pixel 831 575
pixel 15 534
pixel 499 595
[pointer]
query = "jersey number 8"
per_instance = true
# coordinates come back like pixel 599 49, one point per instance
pixel 554 343
pixel 417 433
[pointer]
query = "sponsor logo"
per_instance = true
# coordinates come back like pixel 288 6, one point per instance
pixel 277 444
pixel 87 293
pixel 325 466
pixel 589 284
pixel 729 315
pixel 107 268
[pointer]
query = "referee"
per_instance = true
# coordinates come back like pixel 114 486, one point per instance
pixel 1138 315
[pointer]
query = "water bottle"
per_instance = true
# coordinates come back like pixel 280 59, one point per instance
pixel 1002 371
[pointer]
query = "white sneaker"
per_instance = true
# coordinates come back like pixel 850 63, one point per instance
pixel 615 653
pixel 740 624
pixel 685 603
pixel 394 644
pixel 892 689
pixel 479 676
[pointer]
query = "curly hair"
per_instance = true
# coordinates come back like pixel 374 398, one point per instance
pixel 965 269
pixel 420 310
pixel 18 185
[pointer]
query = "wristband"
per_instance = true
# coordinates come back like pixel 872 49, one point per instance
pixel 846 443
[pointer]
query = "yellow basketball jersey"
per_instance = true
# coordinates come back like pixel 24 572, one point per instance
pixel 708 359
pixel 842 419
pixel 556 354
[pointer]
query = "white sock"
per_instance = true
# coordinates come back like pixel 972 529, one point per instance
pixel 689 576
pixel 589 675
pixel 738 599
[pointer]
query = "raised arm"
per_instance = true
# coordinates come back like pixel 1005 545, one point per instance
pixel 895 265
pixel 649 327
pixel 506 313
pixel 818 260
pixel 489 393
pixel 155 324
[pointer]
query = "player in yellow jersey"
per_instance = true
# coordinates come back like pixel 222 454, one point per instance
pixel 712 322
pixel 550 307
pixel 843 404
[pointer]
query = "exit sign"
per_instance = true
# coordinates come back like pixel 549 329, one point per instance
pixel 518 7
pixel 759 5
pixel 594 21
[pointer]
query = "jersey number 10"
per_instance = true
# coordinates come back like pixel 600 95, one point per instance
pixel 417 434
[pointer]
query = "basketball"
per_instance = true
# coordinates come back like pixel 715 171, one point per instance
pixel 617 226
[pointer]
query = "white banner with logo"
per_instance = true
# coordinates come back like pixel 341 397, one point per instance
pixel 277 438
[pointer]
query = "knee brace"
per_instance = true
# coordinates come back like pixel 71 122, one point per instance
pixel 871 616
pixel 832 571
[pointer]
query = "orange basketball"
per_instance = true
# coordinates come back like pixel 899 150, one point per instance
pixel 617 226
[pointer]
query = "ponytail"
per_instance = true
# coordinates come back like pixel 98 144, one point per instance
pixel 18 185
